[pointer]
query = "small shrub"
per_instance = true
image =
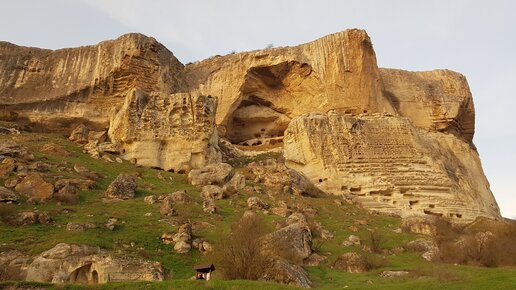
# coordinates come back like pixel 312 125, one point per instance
pixel 376 241
pixel 373 261
pixel 7 214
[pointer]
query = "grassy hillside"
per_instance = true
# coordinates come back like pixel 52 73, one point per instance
pixel 138 232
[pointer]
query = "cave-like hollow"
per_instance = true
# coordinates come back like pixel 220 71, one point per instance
pixel 256 123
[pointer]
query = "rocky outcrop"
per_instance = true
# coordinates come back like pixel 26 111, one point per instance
pixel 85 82
pixel 173 132
pixel 67 263
pixel 390 166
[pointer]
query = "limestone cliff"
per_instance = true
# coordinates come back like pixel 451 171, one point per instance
pixel 85 82
pixel 398 141
pixel 389 165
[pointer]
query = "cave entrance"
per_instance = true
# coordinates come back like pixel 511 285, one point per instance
pixel 80 275
pixel 256 123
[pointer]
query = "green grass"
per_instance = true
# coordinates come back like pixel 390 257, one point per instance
pixel 139 235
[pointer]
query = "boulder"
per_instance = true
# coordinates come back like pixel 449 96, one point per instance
pixel 11 182
pixel 7 196
pixel 281 271
pixel 7 167
pixel 183 239
pixel 167 207
pixel 391 274
pixel 351 262
pixel 212 192
pixel 79 135
pixel 315 260
pixel 83 184
pixel 294 239
pixel 67 194
pixel 54 149
pixel 180 197
pixel 123 187
pixel 282 209
pixel 209 206
pixel 12 149
pixel 255 203
pixel 352 240
pixel 77 227
pixel 297 218
pixel 150 199
pixel 34 186
pixel 216 174
pixel 428 248
pixel 111 223
pixel 26 218
pixel 40 166
pixel 236 183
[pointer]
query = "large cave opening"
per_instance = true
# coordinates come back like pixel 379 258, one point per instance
pixel 256 123
pixel 271 95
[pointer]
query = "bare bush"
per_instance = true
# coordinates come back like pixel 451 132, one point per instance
pixel 239 255
pixel 485 243
pixel 376 241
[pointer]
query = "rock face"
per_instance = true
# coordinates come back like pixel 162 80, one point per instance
pixel 398 141
pixel 85 264
pixel 167 131
pixel 390 165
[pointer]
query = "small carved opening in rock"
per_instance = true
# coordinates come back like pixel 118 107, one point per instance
pixel 94 277
pixel 431 206
pixel 458 215
pixel 320 180
pixel 355 189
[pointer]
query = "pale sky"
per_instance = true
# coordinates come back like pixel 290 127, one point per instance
pixel 476 38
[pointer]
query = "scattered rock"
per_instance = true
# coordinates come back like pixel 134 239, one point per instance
pixel 67 194
pixel 7 167
pixel 209 206
pixel 282 209
pixel 236 183
pixel 428 248
pixel 216 174
pixel 167 207
pixel 34 186
pixel 44 218
pixel 40 166
pixel 54 149
pixel 12 149
pixel 255 203
pixel 315 260
pixel 123 187
pixel 167 238
pixel 351 262
pixel 150 199
pixel 390 274
pixel 107 158
pixel 183 239
pixel 296 218
pixel 111 223
pixel 26 218
pixel 11 182
pixel 180 197
pixel 352 240
pixel 212 192
pixel 97 136
pixel 82 184
pixel 79 135
pixel 7 196
pixel 76 227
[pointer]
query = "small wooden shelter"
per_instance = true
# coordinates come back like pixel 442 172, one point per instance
pixel 204 271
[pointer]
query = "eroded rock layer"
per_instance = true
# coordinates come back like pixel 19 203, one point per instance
pixel 389 165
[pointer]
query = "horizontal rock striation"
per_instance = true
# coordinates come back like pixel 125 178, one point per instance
pixel 389 165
